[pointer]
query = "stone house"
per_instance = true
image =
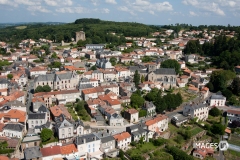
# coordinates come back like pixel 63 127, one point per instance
pixel 131 115
pixel 166 76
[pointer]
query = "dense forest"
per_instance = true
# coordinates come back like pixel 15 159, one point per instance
pixel 96 30
pixel 225 51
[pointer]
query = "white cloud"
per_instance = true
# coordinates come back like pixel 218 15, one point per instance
pixel 94 2
pixel 58 2
pixel 8 2
pixel 103 10
pixel 126 9
pixel 192 13
pixel 145 6
pixel 209 5
pixel 72 10
pixel 141 2
pixel 111 1
pixel 28 2
pixel 38 9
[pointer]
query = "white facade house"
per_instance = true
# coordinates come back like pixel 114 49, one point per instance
pixel 233 115
pixel 123 140
pixel 13 130
pixel 217 100
pixel 199 111
pixel 88 145
pixel 37 119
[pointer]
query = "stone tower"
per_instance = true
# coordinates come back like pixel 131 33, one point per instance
pixel 80 36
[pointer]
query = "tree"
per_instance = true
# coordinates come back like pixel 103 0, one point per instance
pixel 93 68
pixel 215 112
pixel 54 55
pixel 46 88
pixel 235 123
pixel 10 76
pixel 217 129
pixel 136 100
pixel 137 157
pixel 55 65
pixel 142 79
pixel 113 61
pixel 38 89
pixel 227 93
pixel 236 86
pixel 210 86
pixel 146 59
pixel 171 63
pixel 46 134
pixel 136 78
pixel 142 113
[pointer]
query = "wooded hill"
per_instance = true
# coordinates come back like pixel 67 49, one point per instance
pixel 96 30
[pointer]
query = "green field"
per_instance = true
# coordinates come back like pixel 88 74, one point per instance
pixel 21 27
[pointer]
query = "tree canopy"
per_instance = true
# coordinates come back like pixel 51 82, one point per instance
pixel 215 112
pixel 171 63
pixel 136 78
pixel 136 100
pixel 45 88
pixel 46 134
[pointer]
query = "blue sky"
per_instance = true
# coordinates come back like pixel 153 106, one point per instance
pixel 195 12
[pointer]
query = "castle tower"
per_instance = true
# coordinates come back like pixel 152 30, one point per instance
pixel 80 36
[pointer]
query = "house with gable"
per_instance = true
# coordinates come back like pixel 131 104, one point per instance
pixel 58 81
pixel 131 115
pixel 196 110
pixel 88 146
pixel 123 140
pixel 166 76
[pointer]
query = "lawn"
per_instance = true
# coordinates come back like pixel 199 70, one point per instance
pixel 141 149
pixel 173 128
pixel 21 27
pixel 72 112
pixel 196 130
pixel 235 140
pixel 232 155
pixel 185 95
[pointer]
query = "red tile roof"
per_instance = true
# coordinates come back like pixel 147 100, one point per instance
pixel 49 151
pixel 70 148
pixel 121 136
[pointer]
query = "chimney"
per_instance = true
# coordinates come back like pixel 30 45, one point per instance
pixel 84 140
pixel 95 138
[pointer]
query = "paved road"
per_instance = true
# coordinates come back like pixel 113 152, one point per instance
pixel 234 147
pixel 30 95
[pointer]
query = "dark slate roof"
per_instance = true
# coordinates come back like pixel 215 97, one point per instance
pixel 32 153
pixel 36 116
pixel 78 123
pixel 101 134
pixel 134 68
pixel 47 77
pixel 165 71
pixel 14 127
pixel 197 106
pixel 107 139
pixel 84 80
pixel 86 139
pixel 67 75
pixel 85 86
pixel 3 81
pixel 43 109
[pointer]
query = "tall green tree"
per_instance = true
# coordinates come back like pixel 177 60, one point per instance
pixel 136 78
pixel 113 61
pixel 136 100
pixel 46 134
pixel 10 76
pixel 236 86
pixel 171 63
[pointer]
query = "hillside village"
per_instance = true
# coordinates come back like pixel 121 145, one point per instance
pixel 140 100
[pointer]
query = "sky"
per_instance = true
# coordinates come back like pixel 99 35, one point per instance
pixel 155 12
